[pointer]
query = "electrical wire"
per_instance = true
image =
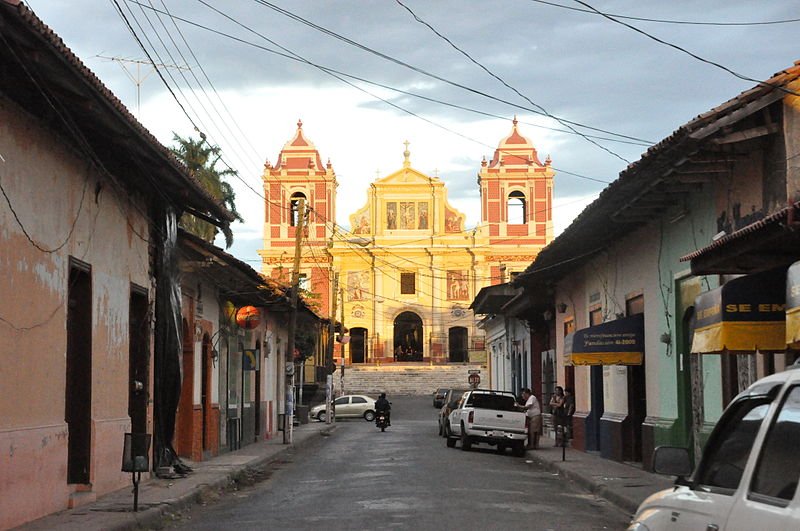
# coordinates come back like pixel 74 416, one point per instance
pixel 687 52
pixel 336 74
pixel 303 60
pixel 292 56
pixel 282 206
pixel 505 83
pixel 672 21
pixel 419 70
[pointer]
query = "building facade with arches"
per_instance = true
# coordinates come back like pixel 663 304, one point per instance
pixel 408 267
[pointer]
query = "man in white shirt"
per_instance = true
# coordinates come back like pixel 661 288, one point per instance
pixel 533 415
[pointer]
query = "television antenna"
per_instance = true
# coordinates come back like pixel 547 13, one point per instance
pixel 138 70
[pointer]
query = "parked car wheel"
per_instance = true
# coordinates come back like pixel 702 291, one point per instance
pixel 322 416
pixel 466 444
pixel 369 416
pixel 451 441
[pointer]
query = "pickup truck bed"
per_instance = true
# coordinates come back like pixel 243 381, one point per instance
pixel 488 417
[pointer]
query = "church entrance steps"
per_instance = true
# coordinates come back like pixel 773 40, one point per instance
pixel 407 378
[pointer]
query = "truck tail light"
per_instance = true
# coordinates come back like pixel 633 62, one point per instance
pixel 471 417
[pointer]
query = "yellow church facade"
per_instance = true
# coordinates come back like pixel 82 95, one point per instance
pixel 407 268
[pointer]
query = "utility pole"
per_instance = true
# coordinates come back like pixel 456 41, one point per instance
pixel 341 372
pixel 331 336
pixel 298 239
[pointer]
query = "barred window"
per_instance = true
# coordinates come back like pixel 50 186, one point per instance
pixel 408 283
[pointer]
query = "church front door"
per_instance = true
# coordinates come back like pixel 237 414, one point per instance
pixel 408 337
pixel 358 345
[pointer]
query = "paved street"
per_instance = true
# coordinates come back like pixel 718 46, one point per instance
pixel 405 478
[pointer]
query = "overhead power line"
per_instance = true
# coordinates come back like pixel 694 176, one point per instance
pixel 399 62
pixel 672 21
pixel 338 75
pixel 506 84
pixel 334 225
pixel 687 52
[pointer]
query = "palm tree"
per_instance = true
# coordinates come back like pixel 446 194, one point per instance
pixel 201 159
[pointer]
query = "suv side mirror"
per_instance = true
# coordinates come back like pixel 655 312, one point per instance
pixel 672 461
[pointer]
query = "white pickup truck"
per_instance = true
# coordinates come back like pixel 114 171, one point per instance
pixel 489 417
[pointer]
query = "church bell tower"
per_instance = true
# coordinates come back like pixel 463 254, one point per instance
pixel 299 174
pixel 516 204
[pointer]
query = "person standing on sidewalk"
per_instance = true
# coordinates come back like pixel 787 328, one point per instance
pixel 533 416
pixel 569 410
pixel 557 410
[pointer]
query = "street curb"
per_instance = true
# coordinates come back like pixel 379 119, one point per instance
pixel 621 502
pixel 152 518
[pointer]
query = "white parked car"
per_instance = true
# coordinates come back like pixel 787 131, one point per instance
pixel 347 406
pixel 748 474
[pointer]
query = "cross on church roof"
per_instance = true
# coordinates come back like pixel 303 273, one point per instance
pixel 406 155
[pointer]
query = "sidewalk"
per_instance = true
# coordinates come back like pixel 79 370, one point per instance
pixel 160 497
pixel 626 486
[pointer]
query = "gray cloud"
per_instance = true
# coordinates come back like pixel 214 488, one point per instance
pixel 577 65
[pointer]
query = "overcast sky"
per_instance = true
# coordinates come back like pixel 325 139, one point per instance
pixel 575 65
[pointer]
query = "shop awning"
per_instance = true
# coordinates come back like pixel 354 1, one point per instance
pixel 793 304
pixel 619 342
pixel 744 315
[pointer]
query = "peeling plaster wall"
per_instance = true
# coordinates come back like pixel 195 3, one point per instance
pixel 67 209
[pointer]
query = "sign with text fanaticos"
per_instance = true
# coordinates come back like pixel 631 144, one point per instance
pixel 619 342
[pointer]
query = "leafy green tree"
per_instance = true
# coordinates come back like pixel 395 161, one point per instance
pixel 201 160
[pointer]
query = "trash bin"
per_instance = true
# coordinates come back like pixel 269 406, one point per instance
pixel 301 413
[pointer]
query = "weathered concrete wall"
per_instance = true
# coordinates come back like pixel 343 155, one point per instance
pixel 67 210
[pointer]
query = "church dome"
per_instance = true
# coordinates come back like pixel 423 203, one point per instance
pixel 515 150
pixel 299 153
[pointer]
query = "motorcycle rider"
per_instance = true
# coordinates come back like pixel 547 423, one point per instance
pixel 382 405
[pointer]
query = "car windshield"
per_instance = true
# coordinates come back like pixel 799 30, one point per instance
pixel 498 402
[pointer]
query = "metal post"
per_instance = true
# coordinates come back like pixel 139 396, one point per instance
pixel 341 373
pixel 302 381
pixel 331 338
pixel 298 239
pixel 291 414
pixel 136 490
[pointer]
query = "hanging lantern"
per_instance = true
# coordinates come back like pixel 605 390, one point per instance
pixel 248 317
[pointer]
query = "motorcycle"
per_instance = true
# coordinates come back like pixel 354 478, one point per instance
pixel 382 420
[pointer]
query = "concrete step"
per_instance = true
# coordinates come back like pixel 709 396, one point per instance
pixel 406 379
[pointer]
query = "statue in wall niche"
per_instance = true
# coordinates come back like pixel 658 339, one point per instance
pixel 423 216
pixel 362 226
pixel 391 215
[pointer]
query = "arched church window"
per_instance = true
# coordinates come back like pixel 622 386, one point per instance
pixel 294 203
pixel 517 208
